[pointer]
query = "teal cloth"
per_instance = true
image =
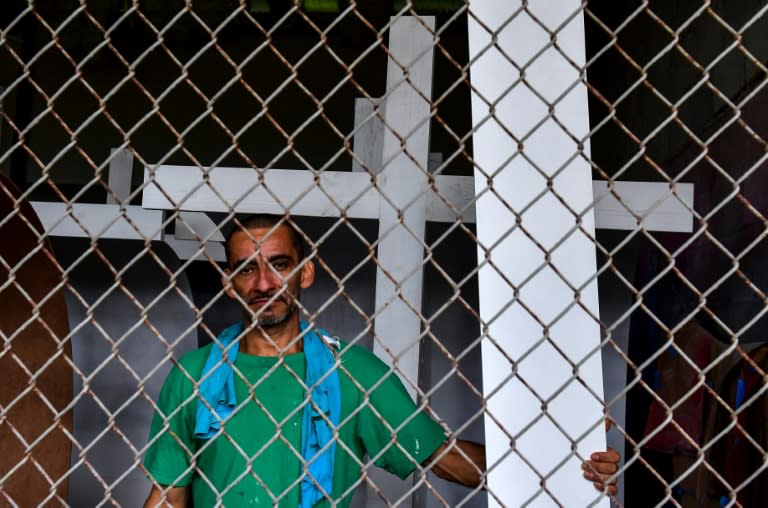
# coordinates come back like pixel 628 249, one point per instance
pixel 320 417
pixel 218 384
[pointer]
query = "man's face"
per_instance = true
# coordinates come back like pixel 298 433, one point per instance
pixel 263 274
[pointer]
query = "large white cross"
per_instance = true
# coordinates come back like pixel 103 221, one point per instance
pixel 403 201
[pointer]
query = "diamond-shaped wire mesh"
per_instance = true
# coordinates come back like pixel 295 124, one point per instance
pixel 538 216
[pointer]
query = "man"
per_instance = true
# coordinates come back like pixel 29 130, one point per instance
pixel 235 423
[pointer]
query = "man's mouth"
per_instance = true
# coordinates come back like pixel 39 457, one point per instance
pixel 261 301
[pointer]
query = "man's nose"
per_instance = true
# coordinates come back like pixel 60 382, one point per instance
pixel 267 280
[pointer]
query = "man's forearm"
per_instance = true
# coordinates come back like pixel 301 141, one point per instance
pixel 462 462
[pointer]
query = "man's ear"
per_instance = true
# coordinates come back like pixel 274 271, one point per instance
pixel 227 283
pixel 307 274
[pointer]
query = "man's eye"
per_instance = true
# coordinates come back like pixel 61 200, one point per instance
pixel 280 266
pixel 246 269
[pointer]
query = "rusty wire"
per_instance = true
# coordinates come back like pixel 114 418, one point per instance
pixel 43 31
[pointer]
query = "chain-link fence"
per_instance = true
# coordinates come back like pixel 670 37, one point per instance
pixel 540 217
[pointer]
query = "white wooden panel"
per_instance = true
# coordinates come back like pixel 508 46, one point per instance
pixel 95 221
pixel 369 137
pixel 191 224
pixel 403 181
pixel 120 173
pixel 435 161
pixel 242 189
pixel 513 330
pixel 343 187
pixel 459 192
pixel 660 209
pixel 190 249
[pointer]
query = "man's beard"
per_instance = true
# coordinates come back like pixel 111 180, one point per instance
pixel 266 321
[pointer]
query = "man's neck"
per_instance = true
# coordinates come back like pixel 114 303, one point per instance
pixel 273 340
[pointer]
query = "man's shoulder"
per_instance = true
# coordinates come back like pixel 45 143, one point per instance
pixel 361 363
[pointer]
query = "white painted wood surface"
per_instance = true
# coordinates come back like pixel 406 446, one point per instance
pixel 99 221
pixel 402 207
pixel 251 191
pixel 194 225
pixel 192 249
pixel 355 191
pixel 402 182
pixel 660 209
pixel 120 173
pixel 368 142
pixel 536 388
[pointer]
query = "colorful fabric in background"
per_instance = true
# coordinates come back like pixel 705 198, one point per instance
pixel 739 453
pixel 677 382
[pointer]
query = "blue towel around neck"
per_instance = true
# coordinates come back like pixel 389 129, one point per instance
pixel 218 383
pixel 318 447
pixel 319 418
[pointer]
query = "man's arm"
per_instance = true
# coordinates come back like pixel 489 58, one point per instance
pixel 175 497
pixel 465 463
pixel 462 463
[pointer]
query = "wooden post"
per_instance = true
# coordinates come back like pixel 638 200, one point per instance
pixel 542 374
pixel 403 184
pixel 120 172
pixel 369 138
pixel 402 214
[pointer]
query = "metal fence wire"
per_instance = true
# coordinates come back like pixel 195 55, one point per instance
pixel 541 217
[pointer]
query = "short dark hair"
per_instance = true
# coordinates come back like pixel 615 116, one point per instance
pixel 265 220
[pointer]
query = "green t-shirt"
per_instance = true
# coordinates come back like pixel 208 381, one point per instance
pixel 257 460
